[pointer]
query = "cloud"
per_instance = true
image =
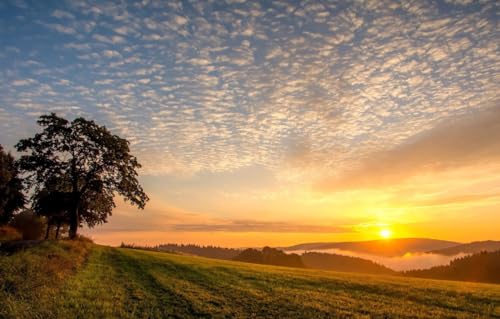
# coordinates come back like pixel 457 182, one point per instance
pixel 468 140
pixel 62 14
pixel 243 80
pixel 261 227
pixel 115 39
pixel 123 30
pixel 61 28
pixel 23 82
pixel 456 200
pixel 111 54
pixel 78 46
pixel 180 20
pixel 199 61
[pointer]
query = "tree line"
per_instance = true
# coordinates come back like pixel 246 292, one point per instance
pixel 480 267
pixel 68 175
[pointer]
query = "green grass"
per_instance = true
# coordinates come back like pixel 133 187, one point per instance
pixel 126 283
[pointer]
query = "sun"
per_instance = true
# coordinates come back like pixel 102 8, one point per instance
pixel 385 233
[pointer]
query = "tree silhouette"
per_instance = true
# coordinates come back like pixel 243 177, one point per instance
pixel 90 164
pixel 481 267
pixel 55 207
pixel 28 224
pixel 11 187
pixel 270 256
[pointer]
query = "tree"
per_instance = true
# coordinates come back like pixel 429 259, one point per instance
pixel 87 161
pixel 55 207
pixel 11 187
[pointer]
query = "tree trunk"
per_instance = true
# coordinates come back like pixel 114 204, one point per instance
pixel 57 229
pixel 75 199
pixel 48 230
pixel 73 221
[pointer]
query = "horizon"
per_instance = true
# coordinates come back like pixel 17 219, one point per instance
pixel 114 243
pixel 263 123
pixel 302 243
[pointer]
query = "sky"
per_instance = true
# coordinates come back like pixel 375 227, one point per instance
pixel 274 122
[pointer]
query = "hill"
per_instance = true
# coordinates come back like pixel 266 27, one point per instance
pixel 343 263
pixel 103 282
pixel 386 247
pixel 481 267
pixel 470 248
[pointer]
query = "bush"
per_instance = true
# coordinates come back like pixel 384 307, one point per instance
pixel 8 233
pixel 29 225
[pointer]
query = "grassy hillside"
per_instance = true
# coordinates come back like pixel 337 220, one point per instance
pixel 127 283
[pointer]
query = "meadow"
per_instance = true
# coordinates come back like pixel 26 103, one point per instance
pixel 82 280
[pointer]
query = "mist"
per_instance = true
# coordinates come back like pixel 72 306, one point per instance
pixel 408 261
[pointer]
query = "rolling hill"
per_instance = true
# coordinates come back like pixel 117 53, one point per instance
pixel 470 248
pixel 386 247
pixel 73 280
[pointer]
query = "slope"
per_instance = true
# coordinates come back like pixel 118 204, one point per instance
pixel 126 283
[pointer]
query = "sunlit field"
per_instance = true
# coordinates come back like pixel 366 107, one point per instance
pixel 126 283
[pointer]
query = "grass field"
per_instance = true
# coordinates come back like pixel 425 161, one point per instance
pixel 126 283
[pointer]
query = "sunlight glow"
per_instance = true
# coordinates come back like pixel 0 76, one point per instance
pixel 385 233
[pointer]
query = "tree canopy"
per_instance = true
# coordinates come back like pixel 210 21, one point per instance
pixel 11 187
pixel 86 163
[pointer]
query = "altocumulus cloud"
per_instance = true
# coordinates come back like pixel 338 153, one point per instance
pixel 201 86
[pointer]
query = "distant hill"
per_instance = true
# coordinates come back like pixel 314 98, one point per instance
pixel 470 248
pixel 343 263
pixel 386 247
pixel 481 267
pixel 269 256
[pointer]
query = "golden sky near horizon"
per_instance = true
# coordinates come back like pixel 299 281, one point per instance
pixel 274 122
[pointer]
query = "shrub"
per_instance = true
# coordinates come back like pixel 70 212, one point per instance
pixel 8 233
pixel 29 225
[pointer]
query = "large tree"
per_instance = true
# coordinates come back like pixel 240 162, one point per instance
pixel 90 164
pixel 11 187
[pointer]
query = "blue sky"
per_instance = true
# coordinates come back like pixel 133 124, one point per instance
pixel 240 97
